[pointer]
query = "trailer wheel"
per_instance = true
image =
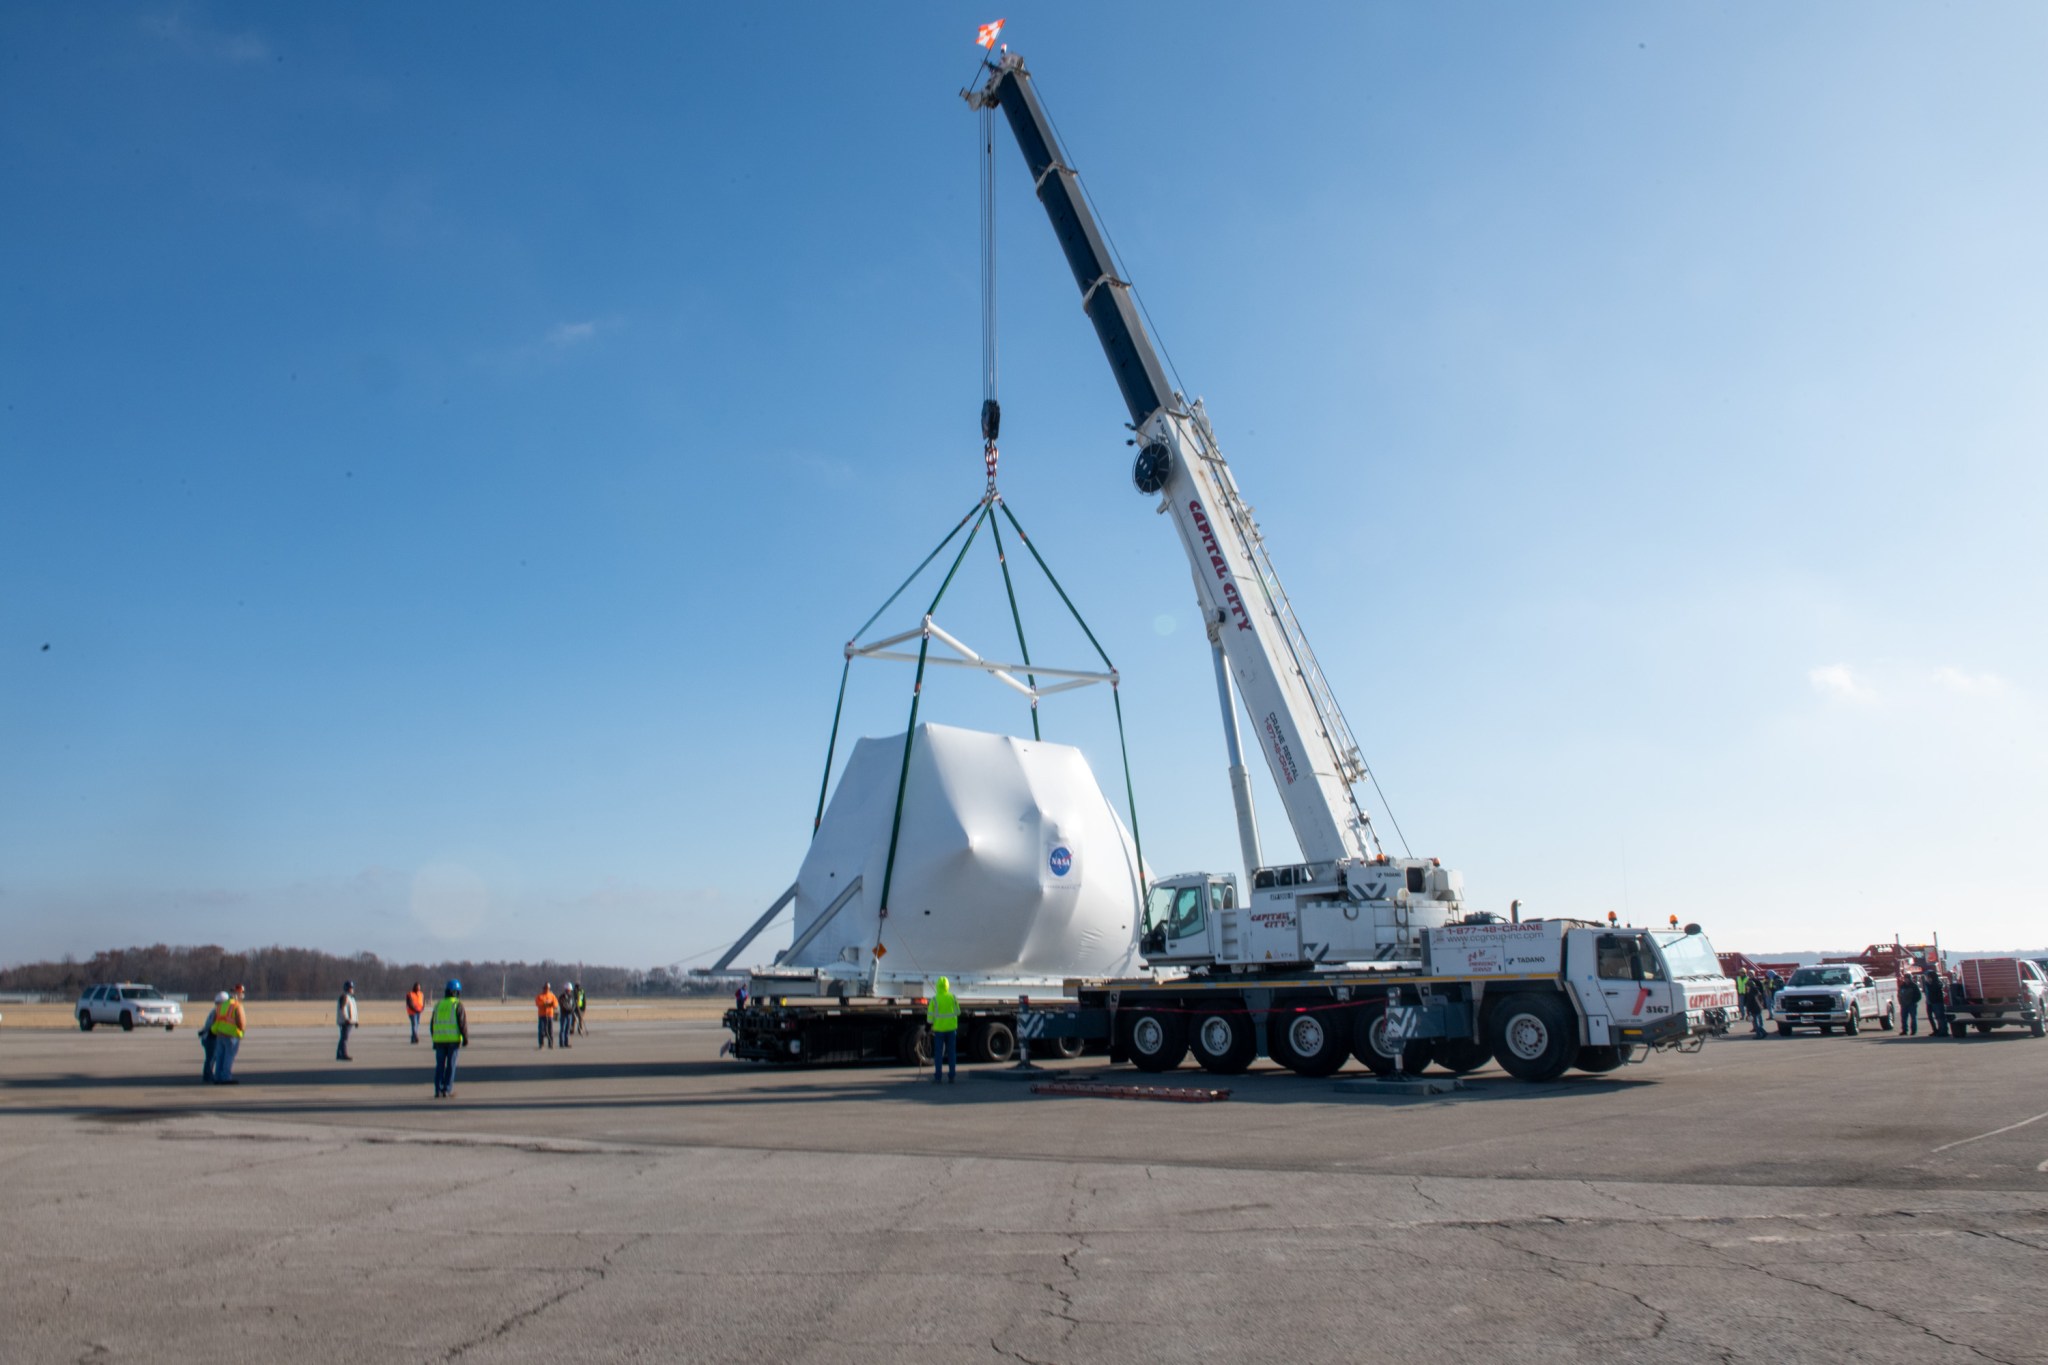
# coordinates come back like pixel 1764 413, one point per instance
pixel 1154 1042
pixel 1369 1044
pixel 994 1041
pixel 1311 1043
pixel 914 1046
pixel 1223 1043
pixel 1598 1060
pixel 1533 1037
pixel 1459 1055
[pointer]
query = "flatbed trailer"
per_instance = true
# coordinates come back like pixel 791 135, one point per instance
pixel 814 1030
pixel 1540 998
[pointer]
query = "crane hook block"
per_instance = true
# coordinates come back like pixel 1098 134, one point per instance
pixel 991 418
pixel 1155 462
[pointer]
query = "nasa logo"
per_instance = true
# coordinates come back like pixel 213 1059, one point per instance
pixel 1062 861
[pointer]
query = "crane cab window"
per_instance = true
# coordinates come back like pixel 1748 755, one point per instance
pixel 1625 957
pixel 1187 913
pixel 1418 881
pixel 1223 895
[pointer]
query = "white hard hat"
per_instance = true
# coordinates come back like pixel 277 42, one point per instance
pixel 221 999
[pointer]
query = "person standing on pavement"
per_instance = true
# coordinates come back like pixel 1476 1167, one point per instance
pixel 207 1039
pixel 546 1003
pixel 230 1025
pixel 1937 1002
pixel 415 1006
pixel 1909 1005
pixel 449 1030
pixel 579 1009
pixel 565 1010
pixel 1753 1005
pixel 943 1014
pixel 345 1019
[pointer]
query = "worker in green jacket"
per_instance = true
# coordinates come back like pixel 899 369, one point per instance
pixel 943 1015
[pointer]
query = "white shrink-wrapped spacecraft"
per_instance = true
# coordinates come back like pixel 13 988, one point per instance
pixel 1012 868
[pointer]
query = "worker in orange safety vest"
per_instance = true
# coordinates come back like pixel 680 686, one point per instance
pixel 415 1006
pixel 546 1003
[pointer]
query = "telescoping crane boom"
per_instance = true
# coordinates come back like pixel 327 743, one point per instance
pixel 1348 899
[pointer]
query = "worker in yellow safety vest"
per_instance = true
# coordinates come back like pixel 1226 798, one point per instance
pixel 230 1023
pixel 943 1014
pixel 449 1028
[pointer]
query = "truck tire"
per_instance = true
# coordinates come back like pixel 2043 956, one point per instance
pixel 1310 1043
pixel 1958 1030
pixel 1889 1020
pixel 2036 1027
pixel 1826 1030
pixel 1222 1042
pixel 1986 1028
pixel 1854 1023
pixel 1784 1029
pixel 1067 1049
pixel 914 1046
pixel 84 1022
pixel 127 1022
pixel 1154 1041
pixel 1369 1044
pixel 993 1041
pixel 1598 1060
pixel 1533 1036
pixel 1459 1055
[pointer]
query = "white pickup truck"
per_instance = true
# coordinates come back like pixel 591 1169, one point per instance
pixel 1835 993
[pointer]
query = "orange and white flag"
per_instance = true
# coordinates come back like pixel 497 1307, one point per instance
pixel 985 36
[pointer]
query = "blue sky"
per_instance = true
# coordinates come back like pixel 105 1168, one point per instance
pixel 445 449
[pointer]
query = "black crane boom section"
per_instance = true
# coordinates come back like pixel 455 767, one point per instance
pixel 1105 298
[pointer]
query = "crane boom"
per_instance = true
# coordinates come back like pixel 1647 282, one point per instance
pixel 1308 746
pixel 1348 899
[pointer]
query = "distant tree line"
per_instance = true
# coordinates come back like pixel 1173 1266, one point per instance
pixel 308 974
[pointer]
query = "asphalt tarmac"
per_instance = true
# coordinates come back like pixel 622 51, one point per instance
pixel 1791 1201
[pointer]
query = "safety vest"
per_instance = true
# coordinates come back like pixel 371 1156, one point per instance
pixel 579 997
pixel 943 1013
pixel 545 1002
pixel 444 1028
pixel 415 1003
pixel 227 1020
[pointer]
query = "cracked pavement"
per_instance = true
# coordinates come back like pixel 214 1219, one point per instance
pixel 636 1199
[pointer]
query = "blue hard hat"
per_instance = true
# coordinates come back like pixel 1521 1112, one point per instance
pixel 454 986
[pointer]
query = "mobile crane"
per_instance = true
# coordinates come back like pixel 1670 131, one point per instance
pixel 1351 949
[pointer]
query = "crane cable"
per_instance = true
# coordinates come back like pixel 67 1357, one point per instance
pixel 991 410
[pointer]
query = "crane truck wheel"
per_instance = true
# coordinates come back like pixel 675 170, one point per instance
pixel 1223 1043
pixel 1154 1042
pixel 1311 1043
pixel 1369 1044
pixel 1459 1055
pixel 1067 1049
pixel 1598 1059
pixel 993 1041
pixel 1533 1037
